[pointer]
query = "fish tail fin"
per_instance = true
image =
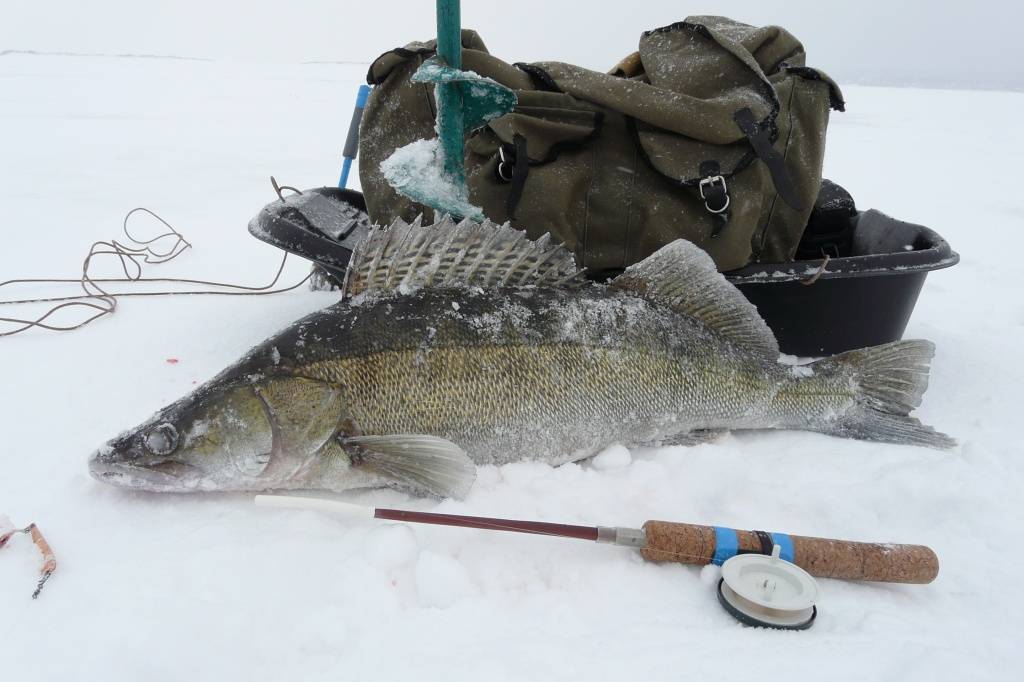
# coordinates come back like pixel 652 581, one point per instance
pixel 889 381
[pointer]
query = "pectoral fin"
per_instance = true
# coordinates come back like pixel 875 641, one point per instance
pixel 425 464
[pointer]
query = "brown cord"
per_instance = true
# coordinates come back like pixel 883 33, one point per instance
pixel 279 188
pixel 821 270
pixel 132 256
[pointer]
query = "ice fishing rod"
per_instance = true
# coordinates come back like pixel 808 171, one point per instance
pixel 683 542
pixel 766 577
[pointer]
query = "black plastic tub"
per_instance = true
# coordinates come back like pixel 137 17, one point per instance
pixel 861 299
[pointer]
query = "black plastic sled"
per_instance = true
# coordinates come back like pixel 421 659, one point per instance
pixel 855 283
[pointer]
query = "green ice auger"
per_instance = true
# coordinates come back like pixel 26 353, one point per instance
pixel 465 101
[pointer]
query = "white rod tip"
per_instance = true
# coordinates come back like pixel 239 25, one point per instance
pixel 315 504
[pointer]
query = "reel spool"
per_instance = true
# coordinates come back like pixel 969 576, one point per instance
pixel 768 592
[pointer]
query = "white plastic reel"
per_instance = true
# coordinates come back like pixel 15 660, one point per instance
pixel 768 591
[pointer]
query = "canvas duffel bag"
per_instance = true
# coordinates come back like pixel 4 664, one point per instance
pixel 713 131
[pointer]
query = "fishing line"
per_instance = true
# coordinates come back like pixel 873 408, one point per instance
pixel 97 300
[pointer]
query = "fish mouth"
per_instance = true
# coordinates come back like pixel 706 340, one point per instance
pixel 163 477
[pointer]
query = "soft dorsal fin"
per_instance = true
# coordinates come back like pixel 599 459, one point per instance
pixel 405 257
pixel 683 277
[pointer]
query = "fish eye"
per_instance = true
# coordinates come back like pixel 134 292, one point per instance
pixel 162 440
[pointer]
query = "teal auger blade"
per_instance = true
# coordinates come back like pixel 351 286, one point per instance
pixel 483 99
pixel 430 172
pixel 417 170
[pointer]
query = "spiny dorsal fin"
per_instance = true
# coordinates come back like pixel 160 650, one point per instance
pixel 683 277
pixel 404 257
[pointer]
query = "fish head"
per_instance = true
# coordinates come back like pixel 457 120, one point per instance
pixel 253 434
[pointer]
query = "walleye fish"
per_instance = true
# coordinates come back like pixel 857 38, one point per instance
pixel 458 345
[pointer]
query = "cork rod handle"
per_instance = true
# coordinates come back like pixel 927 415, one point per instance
pixel 692 544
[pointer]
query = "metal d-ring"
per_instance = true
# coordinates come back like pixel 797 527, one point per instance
pixel 502 163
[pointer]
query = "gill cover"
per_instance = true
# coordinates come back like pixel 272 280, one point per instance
pixel 224 431
pixel 304 415
pixel 267 430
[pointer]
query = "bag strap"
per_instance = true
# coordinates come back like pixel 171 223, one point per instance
pixel 760 140
pixel 516 176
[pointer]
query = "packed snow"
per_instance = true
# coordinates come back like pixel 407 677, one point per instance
pixel 209 587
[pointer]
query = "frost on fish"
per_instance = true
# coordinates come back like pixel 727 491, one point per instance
pixel 460 344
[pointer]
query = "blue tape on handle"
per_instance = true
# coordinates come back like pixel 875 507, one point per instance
pixel 352 141
pixel 346 168
pixel 364 92
pixel 727 544
pixel 785 544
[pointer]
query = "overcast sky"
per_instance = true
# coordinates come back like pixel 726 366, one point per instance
pixel 941 43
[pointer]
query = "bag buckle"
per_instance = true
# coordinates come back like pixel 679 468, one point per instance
pixel 713 188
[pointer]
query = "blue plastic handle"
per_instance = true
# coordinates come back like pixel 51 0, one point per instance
pixel 352 141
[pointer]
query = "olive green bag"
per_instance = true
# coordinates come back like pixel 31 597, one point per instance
pixel 713 131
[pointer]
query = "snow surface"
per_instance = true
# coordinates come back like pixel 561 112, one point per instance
pixel 209 587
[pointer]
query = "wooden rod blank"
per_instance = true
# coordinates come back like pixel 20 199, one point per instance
pixel 692 544
pixel 485 523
